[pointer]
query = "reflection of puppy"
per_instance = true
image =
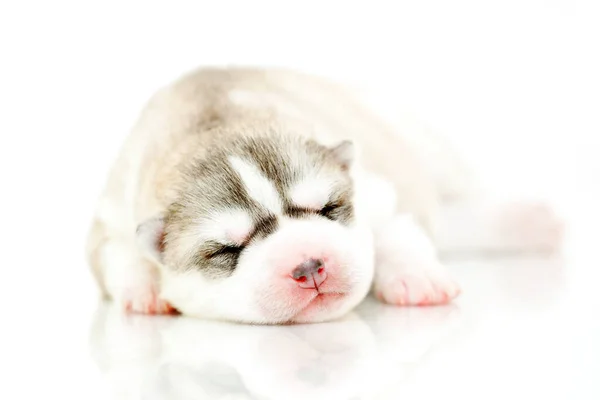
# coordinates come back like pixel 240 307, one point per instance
pixel 265 197
pixel 187 358
pixel 331 361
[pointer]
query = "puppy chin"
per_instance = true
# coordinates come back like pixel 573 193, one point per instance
pixel 328 307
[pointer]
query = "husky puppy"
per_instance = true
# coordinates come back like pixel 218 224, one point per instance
pixel 265 196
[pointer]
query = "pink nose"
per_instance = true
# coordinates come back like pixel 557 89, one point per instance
pixel 310 274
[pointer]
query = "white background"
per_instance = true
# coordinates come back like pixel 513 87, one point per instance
pixel 515 84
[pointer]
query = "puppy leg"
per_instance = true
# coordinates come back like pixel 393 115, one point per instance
pixel 407 269
pixel 133 280
pixel 123 274
pixel 500 227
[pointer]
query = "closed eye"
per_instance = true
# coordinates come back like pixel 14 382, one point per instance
pixel 329 210
pixel 224 250
pixel 295 212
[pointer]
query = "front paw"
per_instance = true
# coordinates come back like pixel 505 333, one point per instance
pixel 418 288
pixel 145 300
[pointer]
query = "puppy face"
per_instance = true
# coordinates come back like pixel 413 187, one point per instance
pixel 265 231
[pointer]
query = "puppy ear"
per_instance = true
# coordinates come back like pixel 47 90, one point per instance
pixel 344 153
pixel 150 237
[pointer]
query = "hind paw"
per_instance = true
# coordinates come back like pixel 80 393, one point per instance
pixel 534 225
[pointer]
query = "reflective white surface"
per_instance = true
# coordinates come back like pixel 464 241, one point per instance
pixel 522 329
pixel 516 333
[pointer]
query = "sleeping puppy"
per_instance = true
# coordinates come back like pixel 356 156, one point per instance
pixel 268 197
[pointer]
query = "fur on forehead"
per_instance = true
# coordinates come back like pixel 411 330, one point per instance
pixel 285 160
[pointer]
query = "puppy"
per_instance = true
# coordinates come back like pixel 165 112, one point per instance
pixel 266 197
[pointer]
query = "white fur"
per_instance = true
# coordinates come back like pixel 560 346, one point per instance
pixel 244 98
pixel 110 213
pixel 374 197
pixel 312 192
pixel 148 235
pixel 258 186
pixel 261 100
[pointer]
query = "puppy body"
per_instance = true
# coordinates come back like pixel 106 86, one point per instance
pixel 233 178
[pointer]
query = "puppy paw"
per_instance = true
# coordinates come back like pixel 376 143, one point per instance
pixel 419 288
pixel 533 225
pixel 145 301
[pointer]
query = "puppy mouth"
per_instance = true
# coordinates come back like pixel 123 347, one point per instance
pixel 320 300
pixel 332 293
pixel 319 294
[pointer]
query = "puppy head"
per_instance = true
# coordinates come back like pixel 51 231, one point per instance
pixel 264 230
